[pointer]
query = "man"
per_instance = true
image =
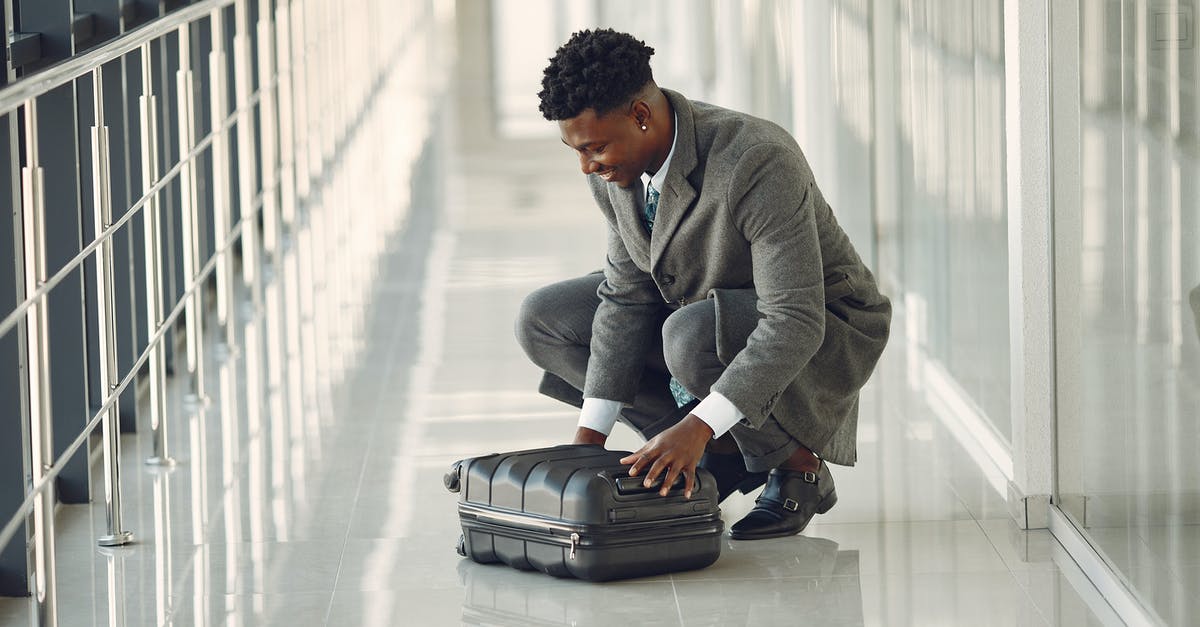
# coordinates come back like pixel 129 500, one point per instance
pixel 727 280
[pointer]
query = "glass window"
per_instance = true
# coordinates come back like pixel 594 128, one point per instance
pixel 1127 224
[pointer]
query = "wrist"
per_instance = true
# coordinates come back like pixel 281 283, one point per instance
pixel 584 435
pixel 696 424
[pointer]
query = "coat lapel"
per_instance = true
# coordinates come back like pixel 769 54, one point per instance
pixel 629 221
pixel 678 194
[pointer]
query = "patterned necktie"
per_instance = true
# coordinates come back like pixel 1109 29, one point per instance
pixel 651 207
pixel 680 393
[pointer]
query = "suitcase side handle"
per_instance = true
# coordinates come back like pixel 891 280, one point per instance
pixel 634 485
pixel 452 478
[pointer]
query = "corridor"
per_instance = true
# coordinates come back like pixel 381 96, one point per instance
pixel 307 488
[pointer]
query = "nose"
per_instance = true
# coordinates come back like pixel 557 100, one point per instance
pixel 586 164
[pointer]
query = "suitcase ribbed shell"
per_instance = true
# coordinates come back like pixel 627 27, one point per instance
pixel 573 510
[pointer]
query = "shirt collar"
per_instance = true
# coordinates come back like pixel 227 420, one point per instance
pixel 660 177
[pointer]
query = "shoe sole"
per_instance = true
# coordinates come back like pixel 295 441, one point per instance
pixel 824 506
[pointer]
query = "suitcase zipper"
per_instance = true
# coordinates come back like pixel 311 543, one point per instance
pixel 521 520
pixel 574 541
pixel 540 523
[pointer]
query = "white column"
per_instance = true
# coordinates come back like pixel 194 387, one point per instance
pixel 1030 265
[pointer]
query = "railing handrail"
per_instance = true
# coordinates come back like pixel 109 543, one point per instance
pixel 41 82
pixel 12 319
pixel 17 95
pixel 13 525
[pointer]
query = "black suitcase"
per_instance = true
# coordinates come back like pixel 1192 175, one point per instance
pixel 574 511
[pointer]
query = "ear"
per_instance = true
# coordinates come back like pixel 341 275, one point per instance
pixel 640 112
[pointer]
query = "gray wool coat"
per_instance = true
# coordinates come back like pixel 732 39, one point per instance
pixel 800 320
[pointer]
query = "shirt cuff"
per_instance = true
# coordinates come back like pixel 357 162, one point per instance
pixel 599 414
pixel 717 412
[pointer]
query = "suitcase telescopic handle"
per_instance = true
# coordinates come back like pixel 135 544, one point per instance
pixel 634 485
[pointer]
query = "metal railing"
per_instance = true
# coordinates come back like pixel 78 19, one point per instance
pixel 294 102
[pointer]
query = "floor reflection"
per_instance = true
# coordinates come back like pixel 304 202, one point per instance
pixel 825 588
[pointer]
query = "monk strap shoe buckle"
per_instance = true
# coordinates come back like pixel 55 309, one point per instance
pixel 787 504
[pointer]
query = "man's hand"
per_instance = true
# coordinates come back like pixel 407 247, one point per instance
pixel 583 435
pixel 674 451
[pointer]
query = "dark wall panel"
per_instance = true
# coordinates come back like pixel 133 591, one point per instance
pixel 13 580
pixel 105 21
pixel 52 20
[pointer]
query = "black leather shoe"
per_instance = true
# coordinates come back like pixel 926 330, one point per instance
pixel 785 506
pixel 729 469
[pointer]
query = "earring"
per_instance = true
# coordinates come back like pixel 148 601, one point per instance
pixel 643 127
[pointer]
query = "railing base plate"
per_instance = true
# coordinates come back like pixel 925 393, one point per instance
pixel 117 539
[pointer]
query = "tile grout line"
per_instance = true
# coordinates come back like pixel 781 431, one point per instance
pixel 358 487
pixel 678 606
pixel 1011 573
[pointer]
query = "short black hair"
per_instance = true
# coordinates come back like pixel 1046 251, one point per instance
pixel 596 69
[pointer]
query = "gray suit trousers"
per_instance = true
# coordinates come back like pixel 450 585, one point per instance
pixel 555 329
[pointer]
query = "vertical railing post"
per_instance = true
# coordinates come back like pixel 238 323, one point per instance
pixel 41 453
pixel 300 101
pixel 287 181
pixel 287 198
pixel 220 184
pixel 190 216
pixel 310 239
pixel 106 318
pixel 247 183
pixel 153 253
pixel 306 207
pixel 268 129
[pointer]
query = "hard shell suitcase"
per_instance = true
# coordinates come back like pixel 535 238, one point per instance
pixel 574 511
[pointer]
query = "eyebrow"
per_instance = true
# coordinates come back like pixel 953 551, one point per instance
pixel 580 147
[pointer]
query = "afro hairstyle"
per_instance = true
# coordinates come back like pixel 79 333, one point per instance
pixel 596 69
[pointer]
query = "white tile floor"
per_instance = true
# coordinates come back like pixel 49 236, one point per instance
pixel 324 506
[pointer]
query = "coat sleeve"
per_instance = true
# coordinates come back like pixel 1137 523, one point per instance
pixel 625 327
pixel 771 202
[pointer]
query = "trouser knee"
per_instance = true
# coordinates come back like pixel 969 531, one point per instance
pixel 689 347
pixel 556 321
pixel 530 326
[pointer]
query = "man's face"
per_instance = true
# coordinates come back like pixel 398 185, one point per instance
pixel 612 146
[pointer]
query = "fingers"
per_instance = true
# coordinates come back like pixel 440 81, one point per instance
pixel 669 480
pixel 670 471
pixel 638 459
pixel 673 473
pixel 660 460
pixel 662 464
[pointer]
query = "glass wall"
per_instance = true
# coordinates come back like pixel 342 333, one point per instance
pixel 1127 270
pixel 951 190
